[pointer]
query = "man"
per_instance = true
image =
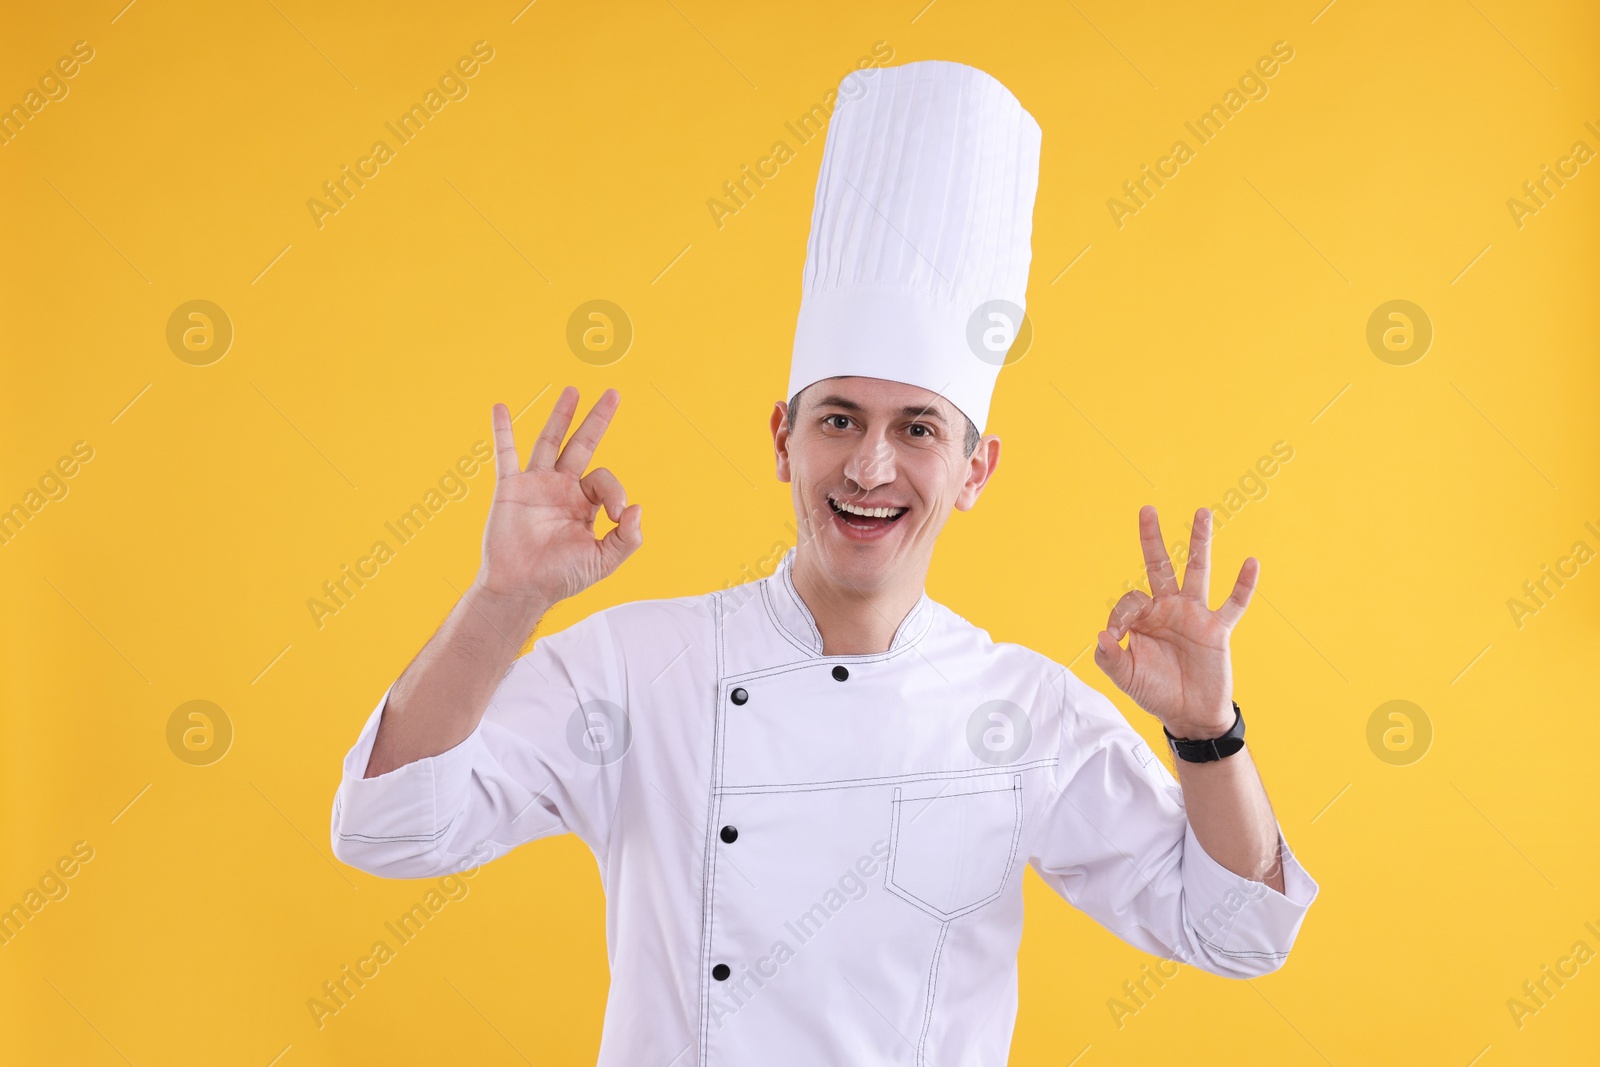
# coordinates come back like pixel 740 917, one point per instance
pixel 811 797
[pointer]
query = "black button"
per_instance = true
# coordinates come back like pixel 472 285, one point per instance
pixel 729 834
pixel 840 673
pixel 738 696
pixel 720 972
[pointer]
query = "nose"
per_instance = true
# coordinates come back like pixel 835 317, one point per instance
pixel 872 463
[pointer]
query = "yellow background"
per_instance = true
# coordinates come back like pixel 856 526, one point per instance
pixel 1228 314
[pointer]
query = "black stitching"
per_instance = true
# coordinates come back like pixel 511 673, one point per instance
pixel 871 657
pixel 403 837
pixel 1238 955
pixel 1016 836
pixel 777 624
pixel 894 840
pixel 1011 859
pixel 921 615
pixel 855 783
pixel 933 979
pixel 708 868
pixel 794 594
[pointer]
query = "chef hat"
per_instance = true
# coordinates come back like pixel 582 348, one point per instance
pixel 919 244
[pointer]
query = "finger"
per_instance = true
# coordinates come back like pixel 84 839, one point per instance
pixel 624 539
pixel 1197 573
pixel 575 457
pixel 548 446
pixel 505 443
pixel 1114 660
pixel 1157 564
pixel 1127 611
pixel 604 490
pixel 1233 608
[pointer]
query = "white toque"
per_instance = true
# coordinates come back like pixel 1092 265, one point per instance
pixel 917 265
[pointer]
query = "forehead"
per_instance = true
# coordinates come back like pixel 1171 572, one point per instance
pixel 879 396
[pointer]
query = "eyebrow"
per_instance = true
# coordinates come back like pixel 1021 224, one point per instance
pixel 910 410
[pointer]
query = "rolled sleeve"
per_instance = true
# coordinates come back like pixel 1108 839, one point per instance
pixel 1248 926
pixel 517 777
pixel 1114 840
pixel 394 824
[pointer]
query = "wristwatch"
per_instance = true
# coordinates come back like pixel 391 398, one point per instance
pixel 1213 748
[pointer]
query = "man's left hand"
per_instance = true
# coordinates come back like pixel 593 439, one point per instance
pixel 1176 665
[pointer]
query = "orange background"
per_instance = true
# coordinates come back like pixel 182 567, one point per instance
pixel 1229 313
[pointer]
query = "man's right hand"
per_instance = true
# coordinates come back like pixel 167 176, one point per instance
pixel 538 547
pixel 539 544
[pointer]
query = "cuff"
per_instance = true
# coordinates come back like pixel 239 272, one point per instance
pixel 404 805
pixel 1246 921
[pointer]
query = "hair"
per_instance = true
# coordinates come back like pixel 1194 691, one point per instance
pixel 971 443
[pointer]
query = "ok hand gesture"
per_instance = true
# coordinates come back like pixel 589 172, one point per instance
pixel 539 543
pixel 1176 665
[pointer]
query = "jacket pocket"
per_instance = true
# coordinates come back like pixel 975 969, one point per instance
pixel 951 853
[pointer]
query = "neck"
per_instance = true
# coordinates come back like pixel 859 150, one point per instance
pixel 854 621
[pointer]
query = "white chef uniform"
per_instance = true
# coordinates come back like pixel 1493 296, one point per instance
pixel 817 860
pixel 846 834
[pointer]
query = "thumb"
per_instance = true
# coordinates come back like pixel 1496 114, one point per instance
pixel 624 538
pixel 1114 660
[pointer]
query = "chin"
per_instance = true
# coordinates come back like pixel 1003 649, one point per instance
pixel 866 553
pixel 863 565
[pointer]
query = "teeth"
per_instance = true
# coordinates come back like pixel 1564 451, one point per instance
pixel 868 513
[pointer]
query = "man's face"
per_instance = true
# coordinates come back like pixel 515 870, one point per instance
pixel 893 451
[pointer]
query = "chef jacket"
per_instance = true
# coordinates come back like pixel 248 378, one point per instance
pixel 817 859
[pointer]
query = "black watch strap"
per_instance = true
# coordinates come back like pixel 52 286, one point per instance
pixel 1213 748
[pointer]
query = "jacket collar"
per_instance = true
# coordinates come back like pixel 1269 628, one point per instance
pixel 796 622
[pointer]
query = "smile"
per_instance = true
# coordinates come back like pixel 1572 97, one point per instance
pixel 865 518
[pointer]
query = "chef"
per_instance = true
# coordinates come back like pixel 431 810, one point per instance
pixel 812 797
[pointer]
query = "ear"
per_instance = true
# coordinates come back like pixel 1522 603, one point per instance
pixel 780 438
pixel 980 468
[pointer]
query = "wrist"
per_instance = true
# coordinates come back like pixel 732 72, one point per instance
pixel 1203 726
pixel 1208 745
pixel 513 616
pixel 1188 731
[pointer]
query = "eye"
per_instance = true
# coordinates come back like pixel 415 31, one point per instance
pixel 837 422
pixel 920 429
